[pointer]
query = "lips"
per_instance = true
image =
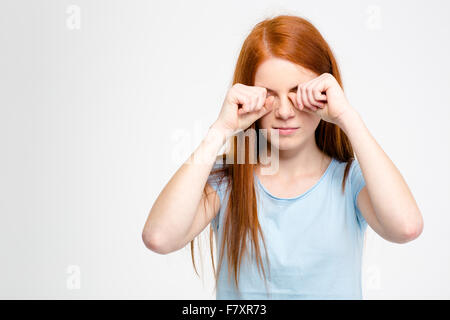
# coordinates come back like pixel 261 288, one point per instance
pixel 286 128
pixel 284 131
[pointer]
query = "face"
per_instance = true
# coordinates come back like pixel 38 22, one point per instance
pixel 281 78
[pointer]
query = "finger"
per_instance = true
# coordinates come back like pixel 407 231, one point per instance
pixel 248 98
pixel 312 99
pixel 253 100
pixel 258 103
pixel 318 95
pixel 293 97
pixel 266 108
pixel 309 98
pixel 323 83
pixel 244 101
pixel 299 99
pixel 262 98
pixel 308 110
pixel 251 117
pixel 305 99
pixel 317 89
pixel 257 97
pixel 268 105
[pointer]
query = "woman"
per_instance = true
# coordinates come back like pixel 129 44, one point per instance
pixel 310 214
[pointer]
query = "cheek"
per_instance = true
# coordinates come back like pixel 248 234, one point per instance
pixel 310 122
pixel 264 121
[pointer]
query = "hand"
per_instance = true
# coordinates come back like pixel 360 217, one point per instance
pixel 323 96
pixel 243 105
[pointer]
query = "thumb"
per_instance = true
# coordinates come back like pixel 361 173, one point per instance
pixel 267 107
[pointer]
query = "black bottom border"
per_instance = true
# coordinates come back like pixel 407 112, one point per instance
pixel 220 309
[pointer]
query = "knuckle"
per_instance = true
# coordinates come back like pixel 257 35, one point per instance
pixel 259 101
pixel 264 94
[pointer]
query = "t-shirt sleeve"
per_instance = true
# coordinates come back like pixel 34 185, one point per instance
pixel 357 182
pixel 215 183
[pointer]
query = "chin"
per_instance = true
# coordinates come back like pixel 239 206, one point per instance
pixel 285 144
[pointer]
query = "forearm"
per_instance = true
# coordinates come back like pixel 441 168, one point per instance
pixel 174 210
pixel 392 200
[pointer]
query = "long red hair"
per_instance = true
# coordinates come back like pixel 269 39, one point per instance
pixel 295 39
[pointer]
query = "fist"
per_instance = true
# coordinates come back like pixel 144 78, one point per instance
pixel 324 97
pixel 243 105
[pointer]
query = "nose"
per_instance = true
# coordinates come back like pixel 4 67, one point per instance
pixel 285 107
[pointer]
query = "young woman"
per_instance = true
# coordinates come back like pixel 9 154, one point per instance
pixel 311 213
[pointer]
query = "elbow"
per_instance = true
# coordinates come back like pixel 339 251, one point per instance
pixel 154 242
pixel 412 230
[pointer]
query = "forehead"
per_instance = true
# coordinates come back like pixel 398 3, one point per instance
pixel 280 74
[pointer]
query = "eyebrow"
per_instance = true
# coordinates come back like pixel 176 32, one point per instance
pixel 268 89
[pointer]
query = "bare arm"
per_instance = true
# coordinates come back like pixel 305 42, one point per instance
pixel 386 202
pixel 178 213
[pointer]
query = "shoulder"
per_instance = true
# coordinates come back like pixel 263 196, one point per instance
pixel 351 171
pixel 338 168
pixel 354 183
pixel 352 165
pixel 355 178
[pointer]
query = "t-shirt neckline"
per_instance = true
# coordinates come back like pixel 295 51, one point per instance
pixel 304 193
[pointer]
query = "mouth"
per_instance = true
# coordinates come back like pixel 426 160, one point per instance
pixel 286 130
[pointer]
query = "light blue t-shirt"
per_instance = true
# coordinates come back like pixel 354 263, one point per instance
pixel 314 241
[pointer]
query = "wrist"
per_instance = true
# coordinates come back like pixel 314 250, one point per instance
pixel 349 119
pixel 218 129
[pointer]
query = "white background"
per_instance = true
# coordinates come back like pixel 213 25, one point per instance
pixel 95 112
